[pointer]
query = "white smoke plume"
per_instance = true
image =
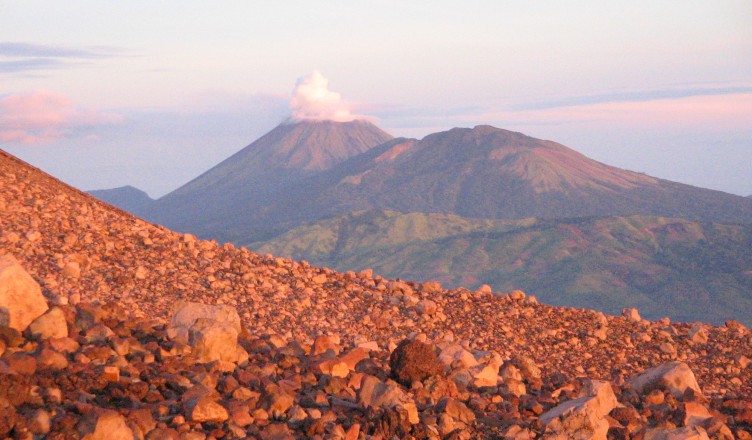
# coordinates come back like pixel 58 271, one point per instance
pixel 312 100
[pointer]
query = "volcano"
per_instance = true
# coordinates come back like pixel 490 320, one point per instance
pixel 304 172
pixel 286 155
pixel 491 173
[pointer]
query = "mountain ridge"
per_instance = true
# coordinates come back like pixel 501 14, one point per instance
pixel 126 197
pixel 480 173
pixel 666 267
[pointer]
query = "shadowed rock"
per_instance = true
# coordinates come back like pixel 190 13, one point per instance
pixel 413 361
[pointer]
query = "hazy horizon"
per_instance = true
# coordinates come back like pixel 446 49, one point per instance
pixel 151 95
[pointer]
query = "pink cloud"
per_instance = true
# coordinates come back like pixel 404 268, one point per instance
pixel 43 117
pixel 718 111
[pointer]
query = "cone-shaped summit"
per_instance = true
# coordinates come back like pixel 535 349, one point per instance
pixel 290 152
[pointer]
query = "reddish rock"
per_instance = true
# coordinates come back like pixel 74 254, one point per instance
pixel 414 361
pixel 103 424
pixel 206 409
pixel 673 376
pixel 21 300
pixel 51 324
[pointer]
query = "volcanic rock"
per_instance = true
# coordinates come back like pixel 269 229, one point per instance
pixel 21 299
pixel 104 424
pixel 673 376
pixel 583 417
pixel 414 361
pixel 187 313
pixel 51 324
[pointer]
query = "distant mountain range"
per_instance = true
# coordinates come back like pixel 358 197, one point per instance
pixel 131 199
pixel 306 171
pixel 590 244
pixel 666 267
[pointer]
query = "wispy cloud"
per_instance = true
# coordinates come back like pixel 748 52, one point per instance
pixel 43 117
pixel 632 96
pixel 24 57
pixel 720 111
pixel 12 49
pixel 26 64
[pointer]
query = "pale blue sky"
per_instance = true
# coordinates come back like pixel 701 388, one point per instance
pixel 153 93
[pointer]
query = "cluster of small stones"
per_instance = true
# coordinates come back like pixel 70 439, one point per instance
pixel 96 372
pixel 83 252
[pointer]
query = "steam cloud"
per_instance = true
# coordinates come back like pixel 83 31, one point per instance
pixel 312 100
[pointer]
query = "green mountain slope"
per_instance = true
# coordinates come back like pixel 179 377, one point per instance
pixel 665 267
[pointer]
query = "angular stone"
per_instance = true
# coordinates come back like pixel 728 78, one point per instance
pixel 374 392
pixel 213 340
pixel 51 359
pixel 104 424
pixel 695 414
pixel 583 417
pixel 457 410
pixel 49 325
pixel 40 422
pixel 185 314
pixel 72 269
pixel 698 335
pixel 686 433
pixel 485 376
pixel 279 400
pixel 455 352
pixel 21 300
pixel 426 307
pixel 631 314
pixel 206 409
pixel 673 376
pixel 323 343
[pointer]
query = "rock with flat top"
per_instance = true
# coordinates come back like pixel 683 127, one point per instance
pixel 214 341
pixel 104 424
pixel 49 325
pixel 376 393
pixel 631 314
pixel 583 417
pixel 206 409
pixel 21 300
pixel 186 313
pixel 686 433
pixel 673 376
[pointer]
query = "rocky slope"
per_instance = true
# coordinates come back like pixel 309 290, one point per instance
pixel 667 267
pixel 506 366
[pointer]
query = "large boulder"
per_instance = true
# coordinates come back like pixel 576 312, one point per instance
pixel 51 324
pixel 673 376
pixel 213 340
pixel 205 409
pixel 186 313
pixel 413 361
pixel 685 433
pixel 21 299
pixel 376 393
pixel 582 418
pixel 104 424
pixel 455 352
pixel 211 331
